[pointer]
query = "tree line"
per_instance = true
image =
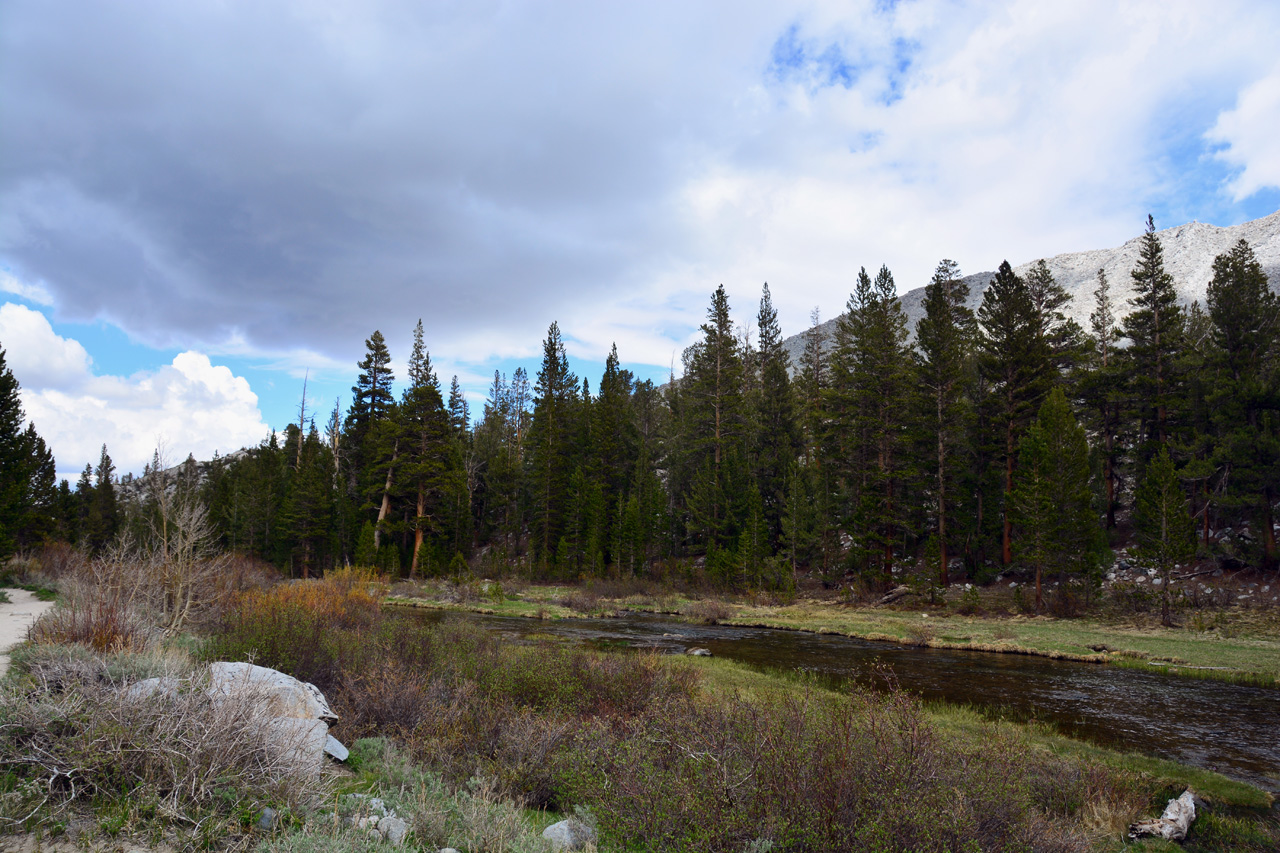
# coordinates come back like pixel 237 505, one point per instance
pixel 1003 438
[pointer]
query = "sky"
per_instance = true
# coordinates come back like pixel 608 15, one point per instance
pixel 205 204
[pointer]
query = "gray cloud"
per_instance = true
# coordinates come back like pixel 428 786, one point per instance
pixel 267 178
pixel 202 172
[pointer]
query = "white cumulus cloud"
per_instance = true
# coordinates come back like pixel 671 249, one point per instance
pixel 189 406
pixel 1250 131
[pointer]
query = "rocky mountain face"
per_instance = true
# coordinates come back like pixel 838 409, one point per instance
pixel 1189 251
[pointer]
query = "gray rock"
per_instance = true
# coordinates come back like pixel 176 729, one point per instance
pixel 165 688
pixel 298 742
pixel 448 850
pixel 699 653
pixel 287 696
pixel 268 819
pixel 569 835
pixel 393 829
pixel 334 747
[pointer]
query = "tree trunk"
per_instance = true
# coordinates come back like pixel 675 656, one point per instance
pixel 943 579
pixel 417 533
pixel 1268 530
pixel 385 509
pixel 1006 545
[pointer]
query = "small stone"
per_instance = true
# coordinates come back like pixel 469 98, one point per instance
pixel 393 829
pixel 448 850
pixel 267 819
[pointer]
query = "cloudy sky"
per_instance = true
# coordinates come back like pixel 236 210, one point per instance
pixel 203 202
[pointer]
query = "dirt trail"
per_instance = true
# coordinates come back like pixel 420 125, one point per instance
pixel 15 617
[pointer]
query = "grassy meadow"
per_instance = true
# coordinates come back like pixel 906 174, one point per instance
pixel 480 743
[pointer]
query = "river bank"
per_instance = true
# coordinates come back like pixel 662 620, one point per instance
pixel 1240 647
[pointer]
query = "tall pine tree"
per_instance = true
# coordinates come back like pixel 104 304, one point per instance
pixel 944 341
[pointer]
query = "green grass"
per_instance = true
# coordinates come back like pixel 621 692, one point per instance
pixel 1250 656
pixel 725 677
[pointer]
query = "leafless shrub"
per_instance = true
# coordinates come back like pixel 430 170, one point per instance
pixel 919 634
pixel 707 612
pixel 580 601
pixel 101 618
pixel 191 758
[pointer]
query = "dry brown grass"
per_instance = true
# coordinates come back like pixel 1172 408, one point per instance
pixel 707 611
pixel 79 738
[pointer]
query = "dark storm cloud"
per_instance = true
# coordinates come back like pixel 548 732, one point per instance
pixel 289 176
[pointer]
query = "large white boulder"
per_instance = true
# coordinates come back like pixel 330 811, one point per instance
pixel 284 695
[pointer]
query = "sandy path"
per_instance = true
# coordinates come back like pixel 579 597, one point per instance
pixel 15 617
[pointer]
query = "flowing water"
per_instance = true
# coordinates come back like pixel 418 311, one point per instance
pixel 1231 728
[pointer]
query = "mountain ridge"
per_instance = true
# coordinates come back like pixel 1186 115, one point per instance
pixel 1189 250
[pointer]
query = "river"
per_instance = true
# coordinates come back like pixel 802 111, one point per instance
pixel 1231 728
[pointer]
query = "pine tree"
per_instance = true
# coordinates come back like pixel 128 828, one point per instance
pixel 944 340
pixel 714 426
pixel 1101 385
pixel 551 445
pixel 614 443
pixel 371 402
pixel 104 513
pixel 811 533
pixel 1155 332
pixel 459 411
pixel 1244 403
pixel 777 435
pixel 1053 502
pixel 1014 358
pixel 1162 527
pixel 1061 337
pixel 426 431
pixel 869 392
pixel 28 493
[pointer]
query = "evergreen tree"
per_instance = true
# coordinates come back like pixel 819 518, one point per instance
pixel 1162 527
pixel 811 500
pixel 1244 403
pixel 714 426
pixel 371 402
pixel 944 339
pixel 28 495
pixel 104 512
pixel 1155 332
pixel 614 443
pixel 870 385
pixel 459 411
pixel 1101 386
pixel 305 520
pixel 13 461
pixel 551 445
pixel 83 500
pixel 1013 355
pixel 777 435
pixel 426 432
pixel 1053 502
pixel 1060 336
